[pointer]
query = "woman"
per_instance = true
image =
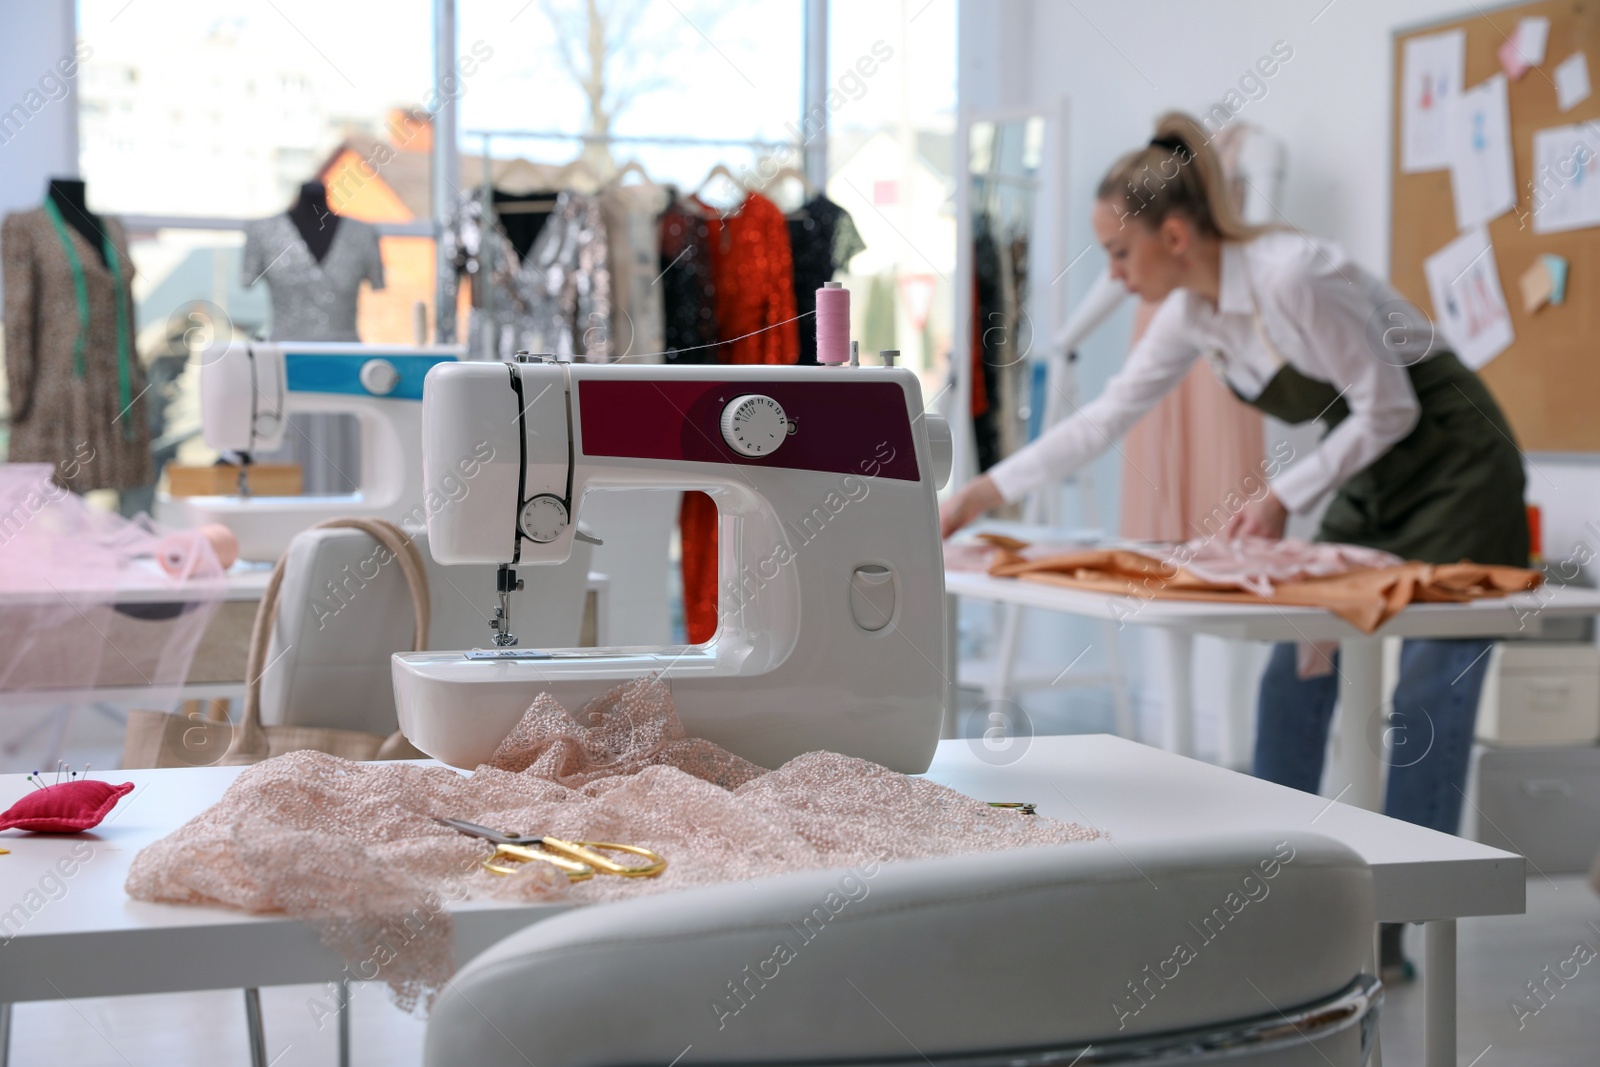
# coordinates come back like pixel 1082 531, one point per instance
pixel 1417 456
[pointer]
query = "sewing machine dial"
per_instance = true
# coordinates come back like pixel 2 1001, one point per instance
pixel 755 425
pixel 543 518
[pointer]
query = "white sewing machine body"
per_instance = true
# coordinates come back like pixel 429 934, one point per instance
pixel 246 397
pixel 831 630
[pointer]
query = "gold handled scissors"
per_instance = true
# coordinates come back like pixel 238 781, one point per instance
pixel 577 859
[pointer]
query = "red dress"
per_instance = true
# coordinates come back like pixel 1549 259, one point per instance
pixel 753 272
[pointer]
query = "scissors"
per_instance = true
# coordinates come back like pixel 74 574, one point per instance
pixel 577 859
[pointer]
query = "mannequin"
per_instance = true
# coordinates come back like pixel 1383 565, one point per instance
pixel 70 198
pixel 72 367
pixel 313 262
pixel 314 219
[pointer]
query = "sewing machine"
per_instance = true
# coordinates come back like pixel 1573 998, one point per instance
pixel 246 397
pixel 831 630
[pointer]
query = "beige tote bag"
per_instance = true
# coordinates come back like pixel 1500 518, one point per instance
pixel 161 739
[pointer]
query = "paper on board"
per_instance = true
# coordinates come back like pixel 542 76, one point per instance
pixel 1481 177
pixel 1572 81
pixel 1565 188
pixel 1431 74
pixel 1468 304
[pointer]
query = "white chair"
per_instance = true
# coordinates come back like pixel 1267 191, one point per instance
pixel 1060 955
pixel 342 613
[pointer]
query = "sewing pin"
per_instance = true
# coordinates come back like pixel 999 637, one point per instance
pixel 86 767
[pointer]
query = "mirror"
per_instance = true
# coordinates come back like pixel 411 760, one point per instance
pixel 1005 161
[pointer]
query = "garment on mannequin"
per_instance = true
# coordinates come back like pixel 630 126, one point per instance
pixel 73 374
pixel 313 262
pixel 315 220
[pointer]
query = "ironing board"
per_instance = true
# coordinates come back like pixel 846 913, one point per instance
pixel 91 940
pixel 1355 767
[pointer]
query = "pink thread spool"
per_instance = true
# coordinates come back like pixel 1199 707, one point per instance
pixel 833 324
pixel 177 552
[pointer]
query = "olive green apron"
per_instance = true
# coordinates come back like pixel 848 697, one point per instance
pixel 1450 490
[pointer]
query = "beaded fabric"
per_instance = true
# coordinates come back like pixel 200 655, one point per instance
pixel 353 848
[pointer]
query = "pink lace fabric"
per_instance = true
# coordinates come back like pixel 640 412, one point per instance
pixel 353 847
pixel 85 599
pixel 1254 564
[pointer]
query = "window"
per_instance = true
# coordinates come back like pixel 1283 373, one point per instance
pixel 892 105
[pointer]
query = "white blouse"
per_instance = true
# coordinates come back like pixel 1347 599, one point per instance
pixel 1283 298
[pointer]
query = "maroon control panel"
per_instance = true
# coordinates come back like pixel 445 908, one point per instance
pixel 841 427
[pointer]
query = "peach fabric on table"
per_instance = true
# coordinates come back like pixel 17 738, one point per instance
pixel 354 848
pixel 1365 597
pixel 1183 459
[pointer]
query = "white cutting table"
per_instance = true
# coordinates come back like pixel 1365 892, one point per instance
pixel 81 936
pixel 1355 772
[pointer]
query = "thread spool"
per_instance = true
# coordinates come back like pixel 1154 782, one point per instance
pixel 833 324
pixel 175 553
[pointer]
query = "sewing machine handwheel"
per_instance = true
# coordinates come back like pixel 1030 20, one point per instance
pixel 543 518
pixel 755 425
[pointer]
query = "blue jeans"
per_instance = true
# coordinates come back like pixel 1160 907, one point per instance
pixel 1429 729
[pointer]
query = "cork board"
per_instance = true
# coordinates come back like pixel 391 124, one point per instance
pixel 1548 381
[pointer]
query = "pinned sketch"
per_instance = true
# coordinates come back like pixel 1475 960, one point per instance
pixel 1531 35
pixel 1565 188
pixel 1480 154
pixel 1524 49
pixel 1468 303
pixel 1572 81
pixel 1432 79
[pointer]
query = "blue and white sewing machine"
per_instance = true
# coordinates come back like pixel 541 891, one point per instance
pixel 246 397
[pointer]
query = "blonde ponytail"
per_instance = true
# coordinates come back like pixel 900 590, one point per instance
pixel 1177 173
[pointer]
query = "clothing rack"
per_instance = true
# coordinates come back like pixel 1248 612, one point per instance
pixel 489 136
pixel 610 138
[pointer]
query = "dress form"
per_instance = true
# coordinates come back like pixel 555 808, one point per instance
pixel 314 218
pixel 71 199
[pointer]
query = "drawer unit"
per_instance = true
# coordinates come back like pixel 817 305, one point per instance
pixel 1541 693
pixel 1542 803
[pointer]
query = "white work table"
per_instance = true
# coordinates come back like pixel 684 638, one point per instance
pixel 1356 766
pixel 81 936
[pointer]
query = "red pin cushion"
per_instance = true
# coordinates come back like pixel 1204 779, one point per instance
pixel 65 808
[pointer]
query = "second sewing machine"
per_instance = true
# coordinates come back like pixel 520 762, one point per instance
pixel 248 393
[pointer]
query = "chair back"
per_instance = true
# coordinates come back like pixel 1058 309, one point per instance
pixel 1249 947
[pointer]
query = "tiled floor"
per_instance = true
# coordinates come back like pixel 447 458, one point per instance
pixel 1496 957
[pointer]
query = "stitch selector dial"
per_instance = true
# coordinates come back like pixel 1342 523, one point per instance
pixel 543 518
pixel 755 425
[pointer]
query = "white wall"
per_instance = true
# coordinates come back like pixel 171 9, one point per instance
pixel 1121 62
pixel 33 37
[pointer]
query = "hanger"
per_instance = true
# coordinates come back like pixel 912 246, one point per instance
pixel 526 207
pixel 723 172
pixel 569 176
pixel 718 171
pixel 807 190
pixel 632 166
pixel 798 175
